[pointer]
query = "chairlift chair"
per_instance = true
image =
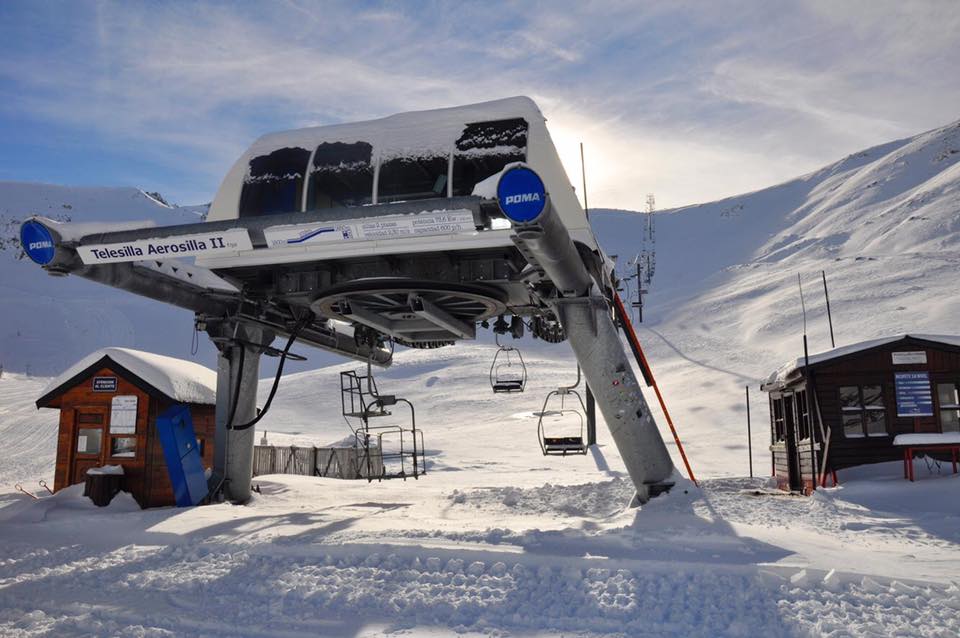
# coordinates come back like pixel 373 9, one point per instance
pixel 564 438
pixel 508 372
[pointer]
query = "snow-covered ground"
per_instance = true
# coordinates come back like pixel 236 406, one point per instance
pixel 497 539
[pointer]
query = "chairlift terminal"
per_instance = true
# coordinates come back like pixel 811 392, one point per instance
pixel 412 231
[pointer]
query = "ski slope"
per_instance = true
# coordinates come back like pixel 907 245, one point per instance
pixel 49 323
pixel 498 540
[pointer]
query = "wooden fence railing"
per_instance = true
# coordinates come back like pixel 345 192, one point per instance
pixel 342 463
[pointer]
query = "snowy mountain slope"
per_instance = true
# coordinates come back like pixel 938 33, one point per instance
pixel 47 322
pixel 724 308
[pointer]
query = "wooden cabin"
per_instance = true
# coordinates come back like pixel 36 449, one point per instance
pixel 852 405
pixel 109 403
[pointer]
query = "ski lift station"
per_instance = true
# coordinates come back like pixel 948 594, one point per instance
pixel 880 400
pixel 109 406
pixel 410 231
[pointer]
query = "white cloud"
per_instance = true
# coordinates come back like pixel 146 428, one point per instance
pixel 692 101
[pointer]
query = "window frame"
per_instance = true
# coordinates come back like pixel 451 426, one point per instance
pixel 86 427
pixel 862 409
pixel 777 417
pixel 949 407
pixel 136 446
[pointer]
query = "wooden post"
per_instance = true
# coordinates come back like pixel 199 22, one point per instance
pixel 829 316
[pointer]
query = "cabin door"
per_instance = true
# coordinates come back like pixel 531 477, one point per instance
pixel 89 441
pixel 790 432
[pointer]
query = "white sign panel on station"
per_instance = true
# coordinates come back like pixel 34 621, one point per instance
pixel 123 414
pixel 393 227
pixel 212 243
pixel 908 358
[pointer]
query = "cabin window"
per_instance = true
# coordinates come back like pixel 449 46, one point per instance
pixel 88 440
pixel 803 423
pixel 949 398
pixel 863 411
pixel 123 446
pixel 341 175
pixel 779 432
pixel 274 183
pixel 484 148
pixel 410 178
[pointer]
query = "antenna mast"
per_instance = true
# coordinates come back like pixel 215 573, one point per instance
pixel 646 260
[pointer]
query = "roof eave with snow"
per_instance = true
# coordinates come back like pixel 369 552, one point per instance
pixel 179 380
pixel 792 370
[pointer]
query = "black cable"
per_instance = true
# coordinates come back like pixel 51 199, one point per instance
pixel 236 391
pixel 276 380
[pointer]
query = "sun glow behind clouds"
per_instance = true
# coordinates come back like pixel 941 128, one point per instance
pixel 692 103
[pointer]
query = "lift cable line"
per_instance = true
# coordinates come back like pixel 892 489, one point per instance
pixel 647 373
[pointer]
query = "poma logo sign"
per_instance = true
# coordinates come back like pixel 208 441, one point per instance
pixel 37 242
pixel 523 198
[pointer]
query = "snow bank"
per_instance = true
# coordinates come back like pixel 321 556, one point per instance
pixel 934 438
pixel 106 470
pixel 182 381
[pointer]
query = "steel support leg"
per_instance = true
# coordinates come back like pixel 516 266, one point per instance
pixel 591 417
pixel 233 452
pixel 605 365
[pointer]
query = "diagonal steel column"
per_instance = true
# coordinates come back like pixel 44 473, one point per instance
pixel 600 353
pixel 586 318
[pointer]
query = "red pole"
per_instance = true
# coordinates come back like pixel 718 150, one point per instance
pixel 644 365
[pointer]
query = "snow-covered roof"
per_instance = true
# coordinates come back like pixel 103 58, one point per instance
pixel 425 131
pixel 788 369
pixel 182 381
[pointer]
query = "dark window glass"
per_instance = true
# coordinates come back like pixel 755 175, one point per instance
pixel 341 175
pixel 872 395
pixel 949 397
pixel 876 423
pixel 88 440
pixel 274 183
pixel 123 446
pixel 778 426
pixel 863 411
pixel 850 397
pixel 484 148
pixel 410 178
pixel 852 424
pixel 804 420
pixel 950 420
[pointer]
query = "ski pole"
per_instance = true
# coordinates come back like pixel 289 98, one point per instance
pixel 20 488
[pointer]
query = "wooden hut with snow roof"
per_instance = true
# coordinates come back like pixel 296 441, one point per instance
pixel 109 403
pixel 869 402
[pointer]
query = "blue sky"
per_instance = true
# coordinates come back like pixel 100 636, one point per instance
pixel 692 101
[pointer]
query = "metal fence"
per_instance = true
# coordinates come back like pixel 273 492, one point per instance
pixel 342 463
